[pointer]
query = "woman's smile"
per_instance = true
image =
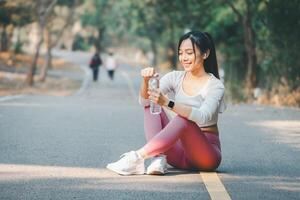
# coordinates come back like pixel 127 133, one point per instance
pixel 187 65
pixel 187 55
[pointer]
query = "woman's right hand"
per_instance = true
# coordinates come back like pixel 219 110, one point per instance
pixel 147 73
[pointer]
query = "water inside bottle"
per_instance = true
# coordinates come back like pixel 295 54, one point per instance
pixel 155 109
pixel 153 84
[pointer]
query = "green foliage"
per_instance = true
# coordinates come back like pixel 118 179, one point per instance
pixel 21 15
pixel 67 3
pixel 17 47
pixel 161 23
pixel 81 44
pixel 17 15
pixel 157 25
pixel 282 20
pixel 13 14
pixel 4 16
pixel 228 37
pixel 97 15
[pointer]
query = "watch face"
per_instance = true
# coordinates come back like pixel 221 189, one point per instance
pixel 171 104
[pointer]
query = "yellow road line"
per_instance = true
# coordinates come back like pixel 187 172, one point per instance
pixel 214 186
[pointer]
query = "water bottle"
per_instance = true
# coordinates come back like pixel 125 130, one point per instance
pixel 154 84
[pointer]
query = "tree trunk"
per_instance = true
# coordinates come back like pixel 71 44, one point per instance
pixel 50 44
pixel 48 57
pixel 99 39
pixel 4 44
pixel 16 49
pixel 10 32
pixel 44 7
pixel 32 69
pixel 249 42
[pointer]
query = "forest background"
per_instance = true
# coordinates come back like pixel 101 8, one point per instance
pixel 257 41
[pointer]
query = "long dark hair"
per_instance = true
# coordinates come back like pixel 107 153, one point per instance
pixel 204 42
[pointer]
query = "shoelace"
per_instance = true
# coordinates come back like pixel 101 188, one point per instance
pixel 124 154
pixel 125 157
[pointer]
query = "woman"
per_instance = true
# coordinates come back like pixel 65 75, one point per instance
pixel 190 140
pixel 111 65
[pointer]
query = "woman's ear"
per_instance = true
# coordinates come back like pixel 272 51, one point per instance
pixel 206 54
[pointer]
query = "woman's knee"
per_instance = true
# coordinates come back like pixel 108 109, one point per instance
pixel 209 164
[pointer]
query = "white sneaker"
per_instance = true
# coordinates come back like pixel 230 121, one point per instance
pixel 129 164
pixel 158 166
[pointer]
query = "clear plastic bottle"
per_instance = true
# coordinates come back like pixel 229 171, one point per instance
pixel 154 84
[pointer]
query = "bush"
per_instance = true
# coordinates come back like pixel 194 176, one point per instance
pixel 80 44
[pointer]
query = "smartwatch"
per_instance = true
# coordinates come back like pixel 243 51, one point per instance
pixel 171 104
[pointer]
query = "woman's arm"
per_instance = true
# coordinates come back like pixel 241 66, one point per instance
pixel 199 115
pixel 165 84
pixel 146 74
pixel 144 89
pixel 210 105
pixel 180 109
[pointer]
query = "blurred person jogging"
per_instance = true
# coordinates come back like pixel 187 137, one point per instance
pixel 95 63
pixel 189 139
pixel 111 65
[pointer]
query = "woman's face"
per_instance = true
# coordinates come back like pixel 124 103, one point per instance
pixel 189 59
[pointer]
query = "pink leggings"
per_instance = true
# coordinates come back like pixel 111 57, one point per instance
pixel 182 141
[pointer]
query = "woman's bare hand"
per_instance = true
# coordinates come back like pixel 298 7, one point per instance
pixel 157 97
pixel 147 73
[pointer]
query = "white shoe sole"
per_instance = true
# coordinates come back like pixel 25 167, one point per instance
pixel 157 172
pixel 124 173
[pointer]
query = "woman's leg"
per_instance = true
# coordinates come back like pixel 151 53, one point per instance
pixel 111 74
pixel 182 141
pixel 95 73
pixel 153 124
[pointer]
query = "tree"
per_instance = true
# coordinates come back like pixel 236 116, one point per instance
pixel 5 21
pixel 49 32
pixel 147 23
pixel 44 9
pixel 145 19
pixel 96 16
pixel 13 14
pixel 245 16
pixel 163 22
pixel 282 60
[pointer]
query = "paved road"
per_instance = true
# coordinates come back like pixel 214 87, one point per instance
pixel 58 147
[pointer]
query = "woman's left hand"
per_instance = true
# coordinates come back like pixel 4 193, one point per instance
pixel 157 97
